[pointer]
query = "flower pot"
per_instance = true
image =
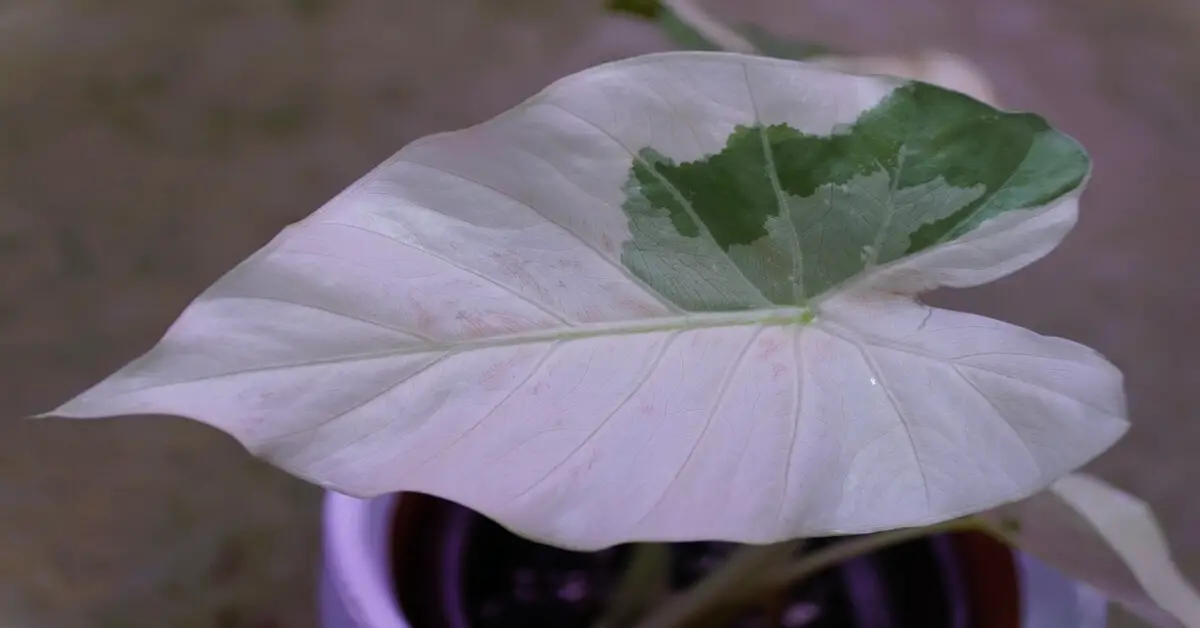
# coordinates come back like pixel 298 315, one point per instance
pixel 421 562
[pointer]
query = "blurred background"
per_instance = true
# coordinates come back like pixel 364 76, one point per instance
pixel 146 146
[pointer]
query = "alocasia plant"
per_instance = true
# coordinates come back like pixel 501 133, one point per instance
pixel 668 298
pixel 672 297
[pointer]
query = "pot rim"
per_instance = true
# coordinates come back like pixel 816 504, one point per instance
pixel 354 533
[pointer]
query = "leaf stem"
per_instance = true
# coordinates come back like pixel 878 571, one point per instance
pixel 753 572
pixel 837 553
pixel 738 579
pixel 642 586
pixel 690 13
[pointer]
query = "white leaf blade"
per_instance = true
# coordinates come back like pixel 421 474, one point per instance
pixel 1128 526
pixel 1005 398
pixel 1057 533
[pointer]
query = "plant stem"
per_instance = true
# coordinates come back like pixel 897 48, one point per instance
pixel 736 583
pixel 739 578
pixel 642 586
pixel 837 553
pixel 690 13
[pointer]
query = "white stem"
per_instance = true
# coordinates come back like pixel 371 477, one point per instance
pixel 838 553
pixel 750 573
pixel 739 578
pixel 713 30
pixel 646 581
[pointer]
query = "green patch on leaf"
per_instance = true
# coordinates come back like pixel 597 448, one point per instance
pixel 779 216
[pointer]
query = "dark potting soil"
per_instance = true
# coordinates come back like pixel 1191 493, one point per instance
pixel 457 569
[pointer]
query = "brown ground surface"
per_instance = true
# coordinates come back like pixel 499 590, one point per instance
pixel 148 145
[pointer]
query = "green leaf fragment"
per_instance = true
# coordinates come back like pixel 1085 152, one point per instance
pixel 641 8
pixel 686 37
pixel 771 45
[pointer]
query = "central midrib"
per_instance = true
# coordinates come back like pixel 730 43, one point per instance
pixel 706 320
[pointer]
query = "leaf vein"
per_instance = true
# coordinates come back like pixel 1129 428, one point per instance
pixel 369 321
pixel 543 307
pixel 570 232
pixel 904 420
pixel 603 422
pixel 716 406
